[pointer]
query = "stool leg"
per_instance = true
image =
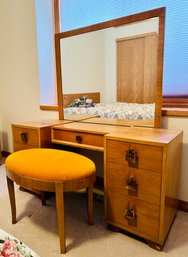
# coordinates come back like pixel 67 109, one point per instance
pixel 89 191
pixel 43 198
pixel 10 184
pixel 60 215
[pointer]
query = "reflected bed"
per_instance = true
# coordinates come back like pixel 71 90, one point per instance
pixel 89 104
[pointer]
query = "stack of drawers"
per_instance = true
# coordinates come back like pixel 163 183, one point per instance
pixel 136 187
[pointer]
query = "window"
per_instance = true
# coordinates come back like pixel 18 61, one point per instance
pixel 46 57
pixel 79 13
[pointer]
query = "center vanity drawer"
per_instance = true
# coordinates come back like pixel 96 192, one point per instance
pixel 132 215
pixel 141 184
pixel 79 138
pixel 146 157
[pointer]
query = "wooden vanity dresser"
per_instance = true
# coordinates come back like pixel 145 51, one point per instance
pixel 141 170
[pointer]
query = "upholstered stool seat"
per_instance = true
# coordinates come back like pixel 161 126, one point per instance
pixel 51 170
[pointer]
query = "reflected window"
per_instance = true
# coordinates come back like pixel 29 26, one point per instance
pixel 81 13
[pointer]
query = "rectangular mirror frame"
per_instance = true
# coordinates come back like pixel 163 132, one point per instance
pixel 160 13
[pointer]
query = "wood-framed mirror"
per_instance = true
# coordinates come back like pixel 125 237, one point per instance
pixel 144 86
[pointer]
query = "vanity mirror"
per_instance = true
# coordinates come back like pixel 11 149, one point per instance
pixel 118 61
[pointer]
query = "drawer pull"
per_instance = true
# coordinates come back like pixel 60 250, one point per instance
pixel 79 139
pixel 132 186
pixel 132 158
pixel 24 137
pixel 130 215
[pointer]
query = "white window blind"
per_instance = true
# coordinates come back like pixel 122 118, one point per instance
pixel 81 13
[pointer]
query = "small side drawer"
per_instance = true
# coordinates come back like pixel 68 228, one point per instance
pixel 24 138
pixel 141 184
pixel 78 137
pixel 146 216
pixel 149 157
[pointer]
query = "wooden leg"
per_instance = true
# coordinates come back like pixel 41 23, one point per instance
pixel 43 198
pixel 90 204
pixel 10 184
pixel 60 215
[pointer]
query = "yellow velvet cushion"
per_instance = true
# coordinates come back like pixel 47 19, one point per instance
pixel 50 164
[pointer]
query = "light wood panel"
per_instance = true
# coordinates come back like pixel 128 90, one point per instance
pixel 136 80
pixel 182 112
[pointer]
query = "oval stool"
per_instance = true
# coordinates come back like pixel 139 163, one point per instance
pixel 51 170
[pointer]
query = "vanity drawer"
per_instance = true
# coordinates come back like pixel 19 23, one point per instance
pixel 119 210
pixel 141 184
pixel 24 138
pixel 79 138
pixel 149 157
pixel 33 136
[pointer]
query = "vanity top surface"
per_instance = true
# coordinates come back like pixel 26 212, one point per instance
pixel 143 135
pixel 137 134
pixel 40 123
pixel 89 127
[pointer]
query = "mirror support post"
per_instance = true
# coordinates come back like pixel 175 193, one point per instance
pixel 159 79
pixel 59 76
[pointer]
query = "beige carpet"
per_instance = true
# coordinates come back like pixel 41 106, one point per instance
pixel 37 228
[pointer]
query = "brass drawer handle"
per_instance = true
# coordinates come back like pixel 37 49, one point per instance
pixel 132 158
pixel 130 215
pixel 79 139
pixel 24 137
pixel 132 186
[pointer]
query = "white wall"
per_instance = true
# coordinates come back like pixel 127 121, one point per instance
pixel 19 79
pixel 180 123
pixel 82 63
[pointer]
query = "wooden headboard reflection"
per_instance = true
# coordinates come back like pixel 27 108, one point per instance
pixel 68 98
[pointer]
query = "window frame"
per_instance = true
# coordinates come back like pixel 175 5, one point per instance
pixel 57 29
pixel 57 16
pixel 175 101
